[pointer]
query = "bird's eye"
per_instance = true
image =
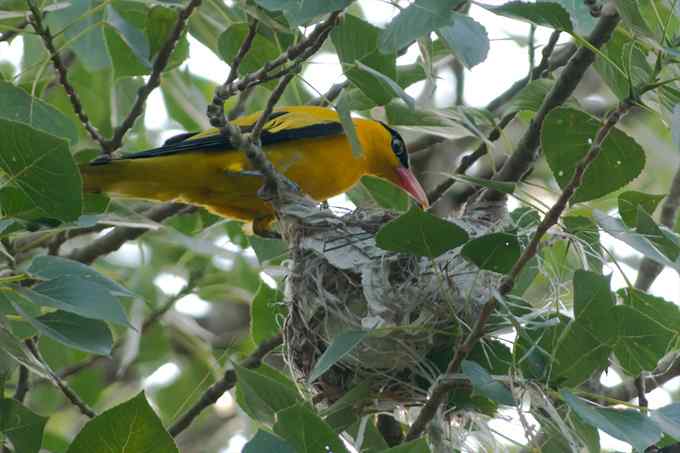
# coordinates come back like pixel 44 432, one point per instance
pixel 400 150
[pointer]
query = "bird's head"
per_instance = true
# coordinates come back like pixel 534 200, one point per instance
pixel 388 159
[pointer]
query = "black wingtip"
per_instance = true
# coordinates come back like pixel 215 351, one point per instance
pixel 101 160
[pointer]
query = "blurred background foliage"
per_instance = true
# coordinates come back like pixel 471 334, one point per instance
pixel 191 279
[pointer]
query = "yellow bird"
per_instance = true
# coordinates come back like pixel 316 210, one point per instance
pixel 305 143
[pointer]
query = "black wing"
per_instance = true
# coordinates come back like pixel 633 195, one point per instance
pixel 183 143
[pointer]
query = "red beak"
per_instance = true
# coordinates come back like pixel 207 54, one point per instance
pixel 410 184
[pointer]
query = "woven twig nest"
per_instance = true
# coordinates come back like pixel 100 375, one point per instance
pixel 339 281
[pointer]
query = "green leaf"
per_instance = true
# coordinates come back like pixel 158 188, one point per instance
pixel 420 233
pixel 264 441
pixel 622 64
pixel 566 137
pixel 125 38
pixel 409 74
pixel 306 431
pixel 50 267
pixel 593 299
pixel 626 425
pixel 342 107
pixel 85 334
pixel 262 51
pixel 546 14
pixel 390 85
pixel 581 350
pixel 492 354
pixel 414 21
pixel 580 15
pixel 616 228
pixel 183 92
pixel 661 311
pixel 342 413
pixel 267 312
pixel 131 426
pixel 81 25
pixel 79 296
pixel 641 342
pixel 629 202
pixel 631 16
pixel 385 194
pixel 467 39
pixel 160 21
pixel 663 240
pixel 356 41
pixel 588 235
pixel 298 12
pixel 263 396
pixel 13 347
pixel 532 95
pixel 532 350
pixel 18 105
pixel 268 249
pixel 484 384
pixel 496 252
pixel 414 446
pixel 38 163
pixel 342 344
pixel 21 426
pixel 15 203
pixel 668 419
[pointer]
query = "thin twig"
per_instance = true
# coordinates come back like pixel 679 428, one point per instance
pixel 154 317
pixel 469 160
pixel 333 92
pixel 441 390
pixel 113 240
pixel 63 386
pixel 216 107
pixel 525 154
pixel 294 54
pixel 36 20
pixel 211 395
pixel 241 102
pixel 159 64
pixel 249 143
pixel 668 369
pixel 553 61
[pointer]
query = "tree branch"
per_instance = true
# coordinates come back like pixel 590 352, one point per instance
pixel 216 107
pixel 469 160
pixel 154 81
pixel 441 390
pixel 560 59
pixel 525 153
pixel 649 270
pixel 333 92
pixel 36 20
pixel 120 235
pixel 211 395
pixel 63 386
pixel 294 54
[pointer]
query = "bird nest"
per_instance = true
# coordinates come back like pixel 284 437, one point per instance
pixel 410 309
